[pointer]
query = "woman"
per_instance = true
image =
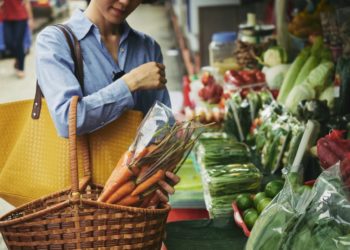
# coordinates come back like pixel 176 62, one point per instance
pixel 110 47
pixel 17 15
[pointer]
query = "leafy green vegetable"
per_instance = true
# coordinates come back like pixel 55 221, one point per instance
pixel 328 96
pixel 275 56
pixel 292 74
pixel 275 75
pixel 299 93
pixel 311 63
pixel 319 76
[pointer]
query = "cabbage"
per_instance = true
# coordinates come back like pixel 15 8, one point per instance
pixel 299 93
pixel 328 95
pixel 274 76
pixel 274 56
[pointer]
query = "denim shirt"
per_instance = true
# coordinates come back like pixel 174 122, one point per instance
pixel 102 99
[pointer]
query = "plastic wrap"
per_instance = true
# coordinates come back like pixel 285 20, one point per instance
pixel 161 145
pixel 299 218
pixel 326 222
pixel 280 215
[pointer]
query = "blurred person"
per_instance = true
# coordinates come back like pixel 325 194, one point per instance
pixel 17 16
pixel 123 69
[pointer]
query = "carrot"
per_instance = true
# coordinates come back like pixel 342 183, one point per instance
pixel 130 200
pixel 142 187
pixel 120 175
pixel 121 192
pixel 143 170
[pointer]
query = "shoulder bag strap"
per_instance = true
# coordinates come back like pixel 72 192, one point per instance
pixel 75 50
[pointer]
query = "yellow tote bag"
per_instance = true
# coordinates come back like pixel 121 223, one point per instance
pixel 34 159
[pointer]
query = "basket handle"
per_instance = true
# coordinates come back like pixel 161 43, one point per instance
pixel 73 156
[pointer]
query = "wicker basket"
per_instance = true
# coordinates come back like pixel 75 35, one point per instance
pixel 73 219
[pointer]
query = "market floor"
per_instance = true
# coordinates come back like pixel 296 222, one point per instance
pixel 150 19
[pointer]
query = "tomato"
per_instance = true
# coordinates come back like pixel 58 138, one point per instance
pixel 207 79
pixel 260 76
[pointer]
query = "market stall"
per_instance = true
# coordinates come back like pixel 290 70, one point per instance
pixel 275 157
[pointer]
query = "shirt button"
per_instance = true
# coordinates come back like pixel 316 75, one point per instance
pixel 122 50
pixel 102 123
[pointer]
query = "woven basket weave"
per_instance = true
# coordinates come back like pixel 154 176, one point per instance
pixel 73 219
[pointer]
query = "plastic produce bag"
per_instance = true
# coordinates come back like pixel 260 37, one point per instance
pixel 161 145
pixel 280 215
pixel 326 223
pixel 303 219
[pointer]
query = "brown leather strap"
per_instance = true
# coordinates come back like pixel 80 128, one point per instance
pixel 75 50
pixel 37 102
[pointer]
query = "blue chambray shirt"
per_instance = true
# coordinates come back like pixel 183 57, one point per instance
pixel 102 99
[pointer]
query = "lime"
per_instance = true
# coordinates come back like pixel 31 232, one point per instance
pixel 273 188
pixel 248 211
pixel 250 217
pixel 244 201
pixel 262 204
pixel 258 197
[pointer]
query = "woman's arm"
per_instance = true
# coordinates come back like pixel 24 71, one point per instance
pixel 58 83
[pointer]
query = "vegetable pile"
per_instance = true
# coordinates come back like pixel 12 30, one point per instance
pixel 161 145
pixel 252 205
pixel 277 137
pixel 226 171
pixel 242 112
pixel 309 75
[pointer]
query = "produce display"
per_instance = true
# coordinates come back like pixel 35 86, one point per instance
pixel 277 137
pixel 242 78
pixel 271 112
pixel 226 171
pixel 306 218
pixel 242 112
pixel 251 205
pixel 310 74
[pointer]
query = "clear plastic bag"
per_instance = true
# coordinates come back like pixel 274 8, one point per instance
pixel 161 145
pixel 280 215
pixel 299 218
pixel 326 223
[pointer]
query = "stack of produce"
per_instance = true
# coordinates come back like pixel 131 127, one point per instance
pixel 275 67
pixel 308 77
pixel 226 172
pixel 277 137
pixel 161 145
pixel 252 205
pixel 242 112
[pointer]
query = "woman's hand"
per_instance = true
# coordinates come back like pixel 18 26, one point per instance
pixel 166 189
pixel 150 75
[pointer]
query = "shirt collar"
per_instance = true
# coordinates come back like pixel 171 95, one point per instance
pixel 81 26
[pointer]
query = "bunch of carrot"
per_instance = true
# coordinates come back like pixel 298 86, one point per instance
pixel 134 180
